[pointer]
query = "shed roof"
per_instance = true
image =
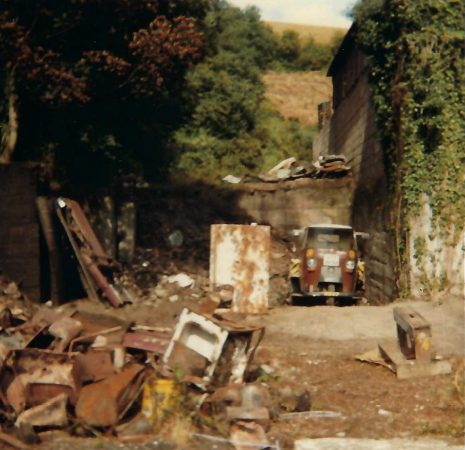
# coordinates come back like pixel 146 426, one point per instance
pixel 347 43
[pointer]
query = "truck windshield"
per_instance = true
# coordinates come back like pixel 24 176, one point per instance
pixel 342 239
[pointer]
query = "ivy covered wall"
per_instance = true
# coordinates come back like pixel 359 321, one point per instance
pixel 415 51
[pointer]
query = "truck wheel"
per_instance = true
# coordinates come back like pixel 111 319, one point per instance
pixel 295 285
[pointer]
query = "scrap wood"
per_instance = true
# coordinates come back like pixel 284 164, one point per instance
pixel 374 357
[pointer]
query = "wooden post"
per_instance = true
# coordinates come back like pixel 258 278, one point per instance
pixel 56 274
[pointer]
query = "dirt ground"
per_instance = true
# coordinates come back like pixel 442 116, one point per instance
pixel 316 347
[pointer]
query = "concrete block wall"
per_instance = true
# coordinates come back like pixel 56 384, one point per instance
pixel 352 131
pixel 298 204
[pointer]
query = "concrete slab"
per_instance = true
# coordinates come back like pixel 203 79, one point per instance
pixel 373 444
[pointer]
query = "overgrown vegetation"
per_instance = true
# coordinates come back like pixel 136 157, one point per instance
pixel 232 130
pixel 295 54
pixel 416 54
pixel 96 90
pixel 94 87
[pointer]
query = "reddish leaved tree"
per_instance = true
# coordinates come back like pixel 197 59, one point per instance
pixel 63 54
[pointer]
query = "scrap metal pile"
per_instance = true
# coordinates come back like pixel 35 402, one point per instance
pixel 326 166
pixel 98 375
pixel 90 374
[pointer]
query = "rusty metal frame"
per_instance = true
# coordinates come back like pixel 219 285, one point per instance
pixel 89 252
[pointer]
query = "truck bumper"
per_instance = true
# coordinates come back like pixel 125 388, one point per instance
pixel 320 297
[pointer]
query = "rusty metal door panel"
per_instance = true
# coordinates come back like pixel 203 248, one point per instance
pixel 240 256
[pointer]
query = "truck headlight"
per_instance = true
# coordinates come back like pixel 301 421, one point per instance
pixel 311 263
pixel 350 264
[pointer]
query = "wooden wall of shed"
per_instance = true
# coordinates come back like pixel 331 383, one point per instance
pixel 20 249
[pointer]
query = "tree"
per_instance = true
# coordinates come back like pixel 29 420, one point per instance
pixel 313 56
pixel 78 76
pixel 231 129
pixel 289 47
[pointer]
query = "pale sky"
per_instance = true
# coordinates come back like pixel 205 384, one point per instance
pixel 328 13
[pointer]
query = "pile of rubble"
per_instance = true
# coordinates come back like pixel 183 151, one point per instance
pixel 327 166
pixel 164 275
pixel 99 375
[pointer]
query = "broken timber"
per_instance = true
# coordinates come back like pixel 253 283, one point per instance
pixel 413 355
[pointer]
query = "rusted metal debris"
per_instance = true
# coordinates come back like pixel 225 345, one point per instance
pixel 26 374
pixel 200 341
pixel 239 256
pixel 100 403
pixel 71 380
pixel 51 413
pixel 64 330
pixel 92 258
pixel 152 341
pixel 94 366
pixel 326 166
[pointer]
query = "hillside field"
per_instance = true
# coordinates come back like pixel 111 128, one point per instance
pixel 322 35
pixel 297 94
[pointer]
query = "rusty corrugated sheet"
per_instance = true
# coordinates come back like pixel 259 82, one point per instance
pixel 239 256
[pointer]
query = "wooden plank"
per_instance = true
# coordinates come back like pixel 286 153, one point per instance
pixel 415 369
pixel 406 369
pixel 391 352
pixel 57 287
pixel 409 319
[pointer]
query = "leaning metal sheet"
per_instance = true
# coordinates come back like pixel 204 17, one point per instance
pixel 239 256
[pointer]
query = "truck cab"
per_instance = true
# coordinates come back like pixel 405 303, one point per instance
pixel 325 271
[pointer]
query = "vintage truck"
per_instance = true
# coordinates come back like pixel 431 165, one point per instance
pixel 328 267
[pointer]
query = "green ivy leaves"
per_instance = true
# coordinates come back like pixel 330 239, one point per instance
pixel 416 53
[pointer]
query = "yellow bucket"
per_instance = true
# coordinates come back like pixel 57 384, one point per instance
pixel 157 398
